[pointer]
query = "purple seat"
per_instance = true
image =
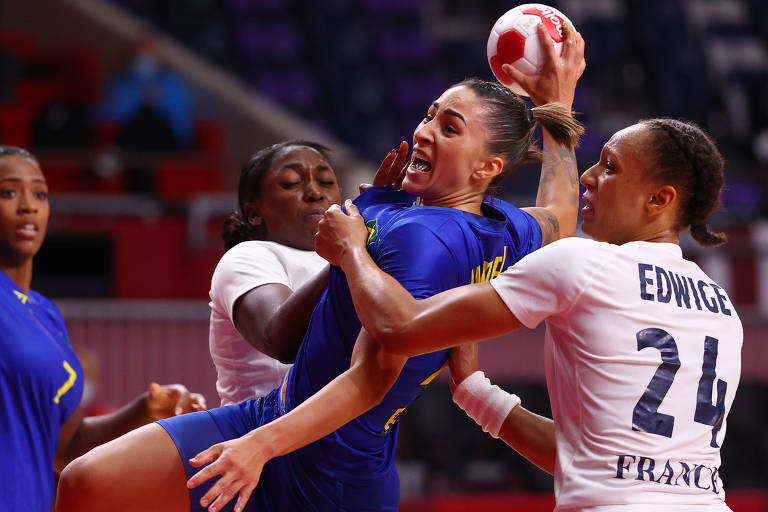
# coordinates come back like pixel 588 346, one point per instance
pixel 269 42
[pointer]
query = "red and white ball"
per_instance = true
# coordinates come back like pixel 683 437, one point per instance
pixel 513 40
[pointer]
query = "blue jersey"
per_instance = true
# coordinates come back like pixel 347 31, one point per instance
pixel 40 387
pixel 428 250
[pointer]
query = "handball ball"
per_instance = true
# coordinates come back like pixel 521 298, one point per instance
pixel 513 40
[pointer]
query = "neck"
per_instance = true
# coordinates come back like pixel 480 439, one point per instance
pixel 471 203
pixel 20 274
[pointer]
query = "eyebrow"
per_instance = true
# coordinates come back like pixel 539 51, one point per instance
pixel 18 180
pixel 451 112
pixel 298 166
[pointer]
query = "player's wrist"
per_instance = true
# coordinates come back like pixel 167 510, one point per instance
pixel 487 404
pixel 352 255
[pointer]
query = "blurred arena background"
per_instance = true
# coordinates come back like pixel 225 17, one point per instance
pixel 138 200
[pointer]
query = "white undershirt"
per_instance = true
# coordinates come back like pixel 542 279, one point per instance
pixel 244 372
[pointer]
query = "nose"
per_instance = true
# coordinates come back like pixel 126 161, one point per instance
pixel 423 133
pixel 588 177
pixel 312 192
pixel 27 203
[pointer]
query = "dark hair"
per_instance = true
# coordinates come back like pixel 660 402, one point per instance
pixel 510 124
pixel 236 227
pixel 686 156
pixel 15 150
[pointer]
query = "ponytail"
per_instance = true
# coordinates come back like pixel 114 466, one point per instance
pixel 237 229
pixel 559 123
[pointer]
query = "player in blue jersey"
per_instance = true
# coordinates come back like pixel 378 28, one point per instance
pixel 438 234
pixel 41 379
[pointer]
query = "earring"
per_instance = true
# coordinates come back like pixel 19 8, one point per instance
pixel 255 220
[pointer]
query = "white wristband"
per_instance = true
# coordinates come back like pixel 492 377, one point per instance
pixel 487 404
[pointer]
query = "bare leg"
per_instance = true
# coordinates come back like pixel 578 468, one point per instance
pixel 141 470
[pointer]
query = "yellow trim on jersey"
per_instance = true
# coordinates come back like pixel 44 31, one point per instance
pixel 391 420
pixel 67 385
pixel 432 377
pixel 23 298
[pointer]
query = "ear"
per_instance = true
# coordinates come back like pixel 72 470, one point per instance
pixel 252 213
pixel 662 200
pixel 489 168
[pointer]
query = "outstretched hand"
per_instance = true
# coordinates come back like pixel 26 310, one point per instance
pixel 392 169
pixel 239 462
pixel 559 75
pixel 339 234
pixel 164 401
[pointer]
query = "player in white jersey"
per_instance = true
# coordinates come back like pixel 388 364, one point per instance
pixel 642 347
pixel 262 287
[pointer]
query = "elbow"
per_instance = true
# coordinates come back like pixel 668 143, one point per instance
pixel 285 354
pixel 394 338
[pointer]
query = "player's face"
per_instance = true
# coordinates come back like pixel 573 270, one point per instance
pixel 295 193
pixel 617 190
pixel 24 209
pixel 448 145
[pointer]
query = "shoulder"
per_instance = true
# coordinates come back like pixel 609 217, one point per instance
pixel 571 254
pixel 383 196
pixel 258 252
pixel 508 210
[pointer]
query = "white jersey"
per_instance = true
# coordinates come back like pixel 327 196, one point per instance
pixel 642 363
pixel 244 372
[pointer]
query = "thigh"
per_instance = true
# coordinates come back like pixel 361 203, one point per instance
pixel 141 470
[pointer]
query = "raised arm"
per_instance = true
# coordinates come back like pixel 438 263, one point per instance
pixel 390 314
pixel 273 319
pixel 240 461
pixel 557 201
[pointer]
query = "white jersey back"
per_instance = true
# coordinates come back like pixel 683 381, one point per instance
pixel 642 362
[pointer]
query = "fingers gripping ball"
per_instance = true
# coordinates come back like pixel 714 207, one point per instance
pixel 513 40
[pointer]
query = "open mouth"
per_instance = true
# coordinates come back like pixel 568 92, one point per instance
pixel 27 230
pixel 420 165
pixel 588 207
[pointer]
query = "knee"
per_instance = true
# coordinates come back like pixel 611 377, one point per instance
pixel 78 488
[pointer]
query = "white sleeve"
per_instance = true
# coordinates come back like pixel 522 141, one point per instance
pixel 548 281
pixel 243 268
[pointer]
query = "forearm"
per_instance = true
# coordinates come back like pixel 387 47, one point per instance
pixel 558 189
pixel 339 402
pixel 285 329
pixel 383 305
pixel 96 430
pixel 371 375
pixel 532 436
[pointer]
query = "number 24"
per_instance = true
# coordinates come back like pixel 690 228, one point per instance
pixel 645 416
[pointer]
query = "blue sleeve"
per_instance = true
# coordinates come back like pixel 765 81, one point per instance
pixel 523 228
pixel 418 258
pixel 528 232
pixel 383 195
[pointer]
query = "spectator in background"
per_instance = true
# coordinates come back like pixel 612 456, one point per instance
pixel 265 287
pixel 150 103
pixel 41 379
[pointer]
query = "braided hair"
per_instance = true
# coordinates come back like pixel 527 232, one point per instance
pixel 687 156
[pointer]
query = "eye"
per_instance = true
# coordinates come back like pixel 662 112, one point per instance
pixel 8 193
pixel 327 183
pixel 427 118
pixel 41 195
pixel 450 129
pixel 290 184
